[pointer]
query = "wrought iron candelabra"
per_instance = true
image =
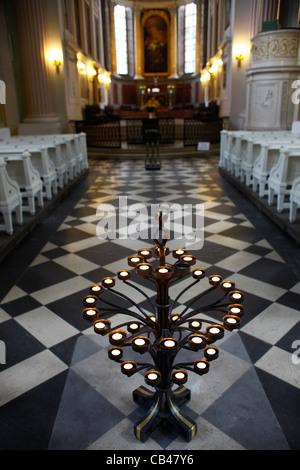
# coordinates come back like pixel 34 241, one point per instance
pixel 164 333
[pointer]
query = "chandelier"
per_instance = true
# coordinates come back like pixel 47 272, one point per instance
pixel 163 333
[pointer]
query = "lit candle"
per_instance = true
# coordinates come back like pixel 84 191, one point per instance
pixel 152 376
pixel 180 375
pixel 201 365
pixel 117 336
pixel 214 330
pixel 211 351
pixel 139 342
pixel 163 270
pixel 115 352
pixel 128 366
pixel 235 310
pixel 197 340
pixel 227 285
pixel 169 343
pixel 144 267
pixel 96 288
pixel 236 295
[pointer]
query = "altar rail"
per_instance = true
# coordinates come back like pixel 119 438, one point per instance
pixel 107 133
pixel 196 130
pixel 136 128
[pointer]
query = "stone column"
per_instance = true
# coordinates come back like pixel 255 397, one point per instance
pixel 173 42
pixel 38 87
pixel 138 45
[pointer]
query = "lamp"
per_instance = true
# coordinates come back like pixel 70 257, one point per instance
pixel 163 333
pixel 91 73
pixel 239 58
pixel 81 66
pixel 55 57
pixel 240 51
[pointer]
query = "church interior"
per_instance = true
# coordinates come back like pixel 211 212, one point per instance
pixel 173 104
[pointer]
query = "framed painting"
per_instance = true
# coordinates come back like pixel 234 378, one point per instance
pixel 155 41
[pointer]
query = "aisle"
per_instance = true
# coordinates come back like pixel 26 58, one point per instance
pixel 58 390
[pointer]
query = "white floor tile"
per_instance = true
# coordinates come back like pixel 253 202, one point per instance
pixel 75 263
pixel 259 288
pixel 60 290
pixel 273 323
pixel 28 374
pixel 238 261
pixel 279 363
pixel 46 327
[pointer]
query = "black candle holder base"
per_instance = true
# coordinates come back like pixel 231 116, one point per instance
pixel 163 407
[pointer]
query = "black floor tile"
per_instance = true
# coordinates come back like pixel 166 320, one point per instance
pixel 43 275
pixel 20 344
pixel 26 423
pixel 272 272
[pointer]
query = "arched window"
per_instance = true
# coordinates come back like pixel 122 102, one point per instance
pixel 190 32
pixel 121 39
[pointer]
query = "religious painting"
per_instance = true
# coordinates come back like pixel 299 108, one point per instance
pixel 155 45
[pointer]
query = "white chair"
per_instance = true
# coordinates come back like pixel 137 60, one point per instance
pixel 267 159
pixel 4 133
pixel 40 161
pixel 223 144
pixel 251 153
pixel 295 128
pixel 20 169
pixel 83 145
pixel 282 176
pixel 294 200
pixel 10 199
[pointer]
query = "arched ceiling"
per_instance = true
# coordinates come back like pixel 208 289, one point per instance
pixel 152 3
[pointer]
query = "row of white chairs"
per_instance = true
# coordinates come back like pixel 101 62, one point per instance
pixel 36 167
pixel 269 162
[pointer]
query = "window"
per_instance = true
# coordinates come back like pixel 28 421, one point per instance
pixel 97 38
pixel 88 29
pixel 121 39
pixel 190 31
pixel 77 22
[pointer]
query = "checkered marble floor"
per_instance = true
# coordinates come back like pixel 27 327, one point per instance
pixel 58 389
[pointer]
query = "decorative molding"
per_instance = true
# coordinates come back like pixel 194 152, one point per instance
pixel 275 46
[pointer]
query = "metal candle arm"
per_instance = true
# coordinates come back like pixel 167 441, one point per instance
pixel 156 333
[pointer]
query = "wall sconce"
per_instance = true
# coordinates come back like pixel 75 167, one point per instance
pixel 91 73
pixel 213 70
pixel 104 79
pixel 239 58
pixel 81 66
pixel 240 53
pixel 55 58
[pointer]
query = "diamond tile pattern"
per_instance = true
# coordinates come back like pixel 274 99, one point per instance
pixel 58 389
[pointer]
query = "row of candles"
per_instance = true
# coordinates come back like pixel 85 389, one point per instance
pixel 142 344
